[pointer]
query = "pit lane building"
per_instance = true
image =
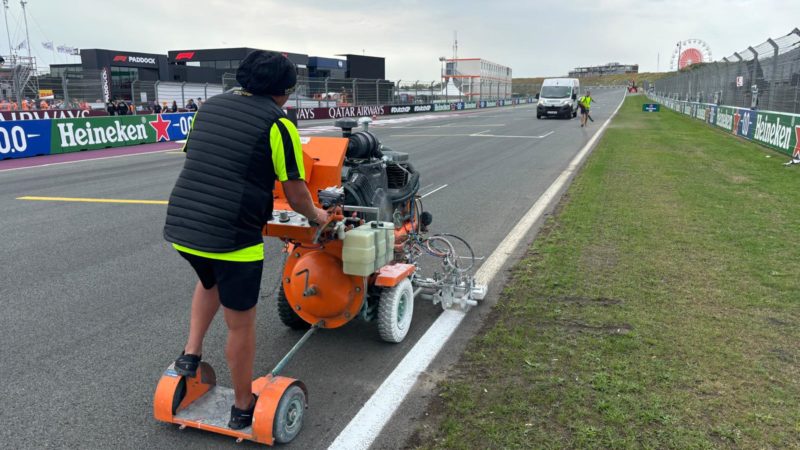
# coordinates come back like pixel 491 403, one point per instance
pixel 119 69
pixel 478 78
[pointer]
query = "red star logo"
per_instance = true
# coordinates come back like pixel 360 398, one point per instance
pixel 736 119
pixel 796 153
pixel 161 125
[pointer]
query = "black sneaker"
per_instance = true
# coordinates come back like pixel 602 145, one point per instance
pixel 186 365
pixel 242 418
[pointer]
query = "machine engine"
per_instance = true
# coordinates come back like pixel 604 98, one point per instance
pixel 375 176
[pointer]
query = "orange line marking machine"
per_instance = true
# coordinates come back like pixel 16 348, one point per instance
pixel 365 263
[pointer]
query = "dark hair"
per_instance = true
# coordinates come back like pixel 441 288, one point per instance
pixel 266 73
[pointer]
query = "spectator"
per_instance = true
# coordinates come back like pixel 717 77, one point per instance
pixel 25 105
pixel 174 106
pixel 83 105
pixel 199 102
pixel 122 108
pixel 111 108
pixel 156 108
pixel 191 106
pixel 43 104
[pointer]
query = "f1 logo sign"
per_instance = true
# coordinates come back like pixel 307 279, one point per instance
pixel 184 55
pixel 120 58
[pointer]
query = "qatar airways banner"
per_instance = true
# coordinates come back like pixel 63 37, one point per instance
pixel 51 114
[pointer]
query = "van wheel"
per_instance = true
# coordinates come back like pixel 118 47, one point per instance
pixel 538 116
pixel 574 114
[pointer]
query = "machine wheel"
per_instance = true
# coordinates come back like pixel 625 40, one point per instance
pixel 287 314
pixel 289 415
pixel 395 311
pixel 538 116
pixel 575 114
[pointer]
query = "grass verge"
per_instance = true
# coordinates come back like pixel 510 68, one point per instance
pixel 659 308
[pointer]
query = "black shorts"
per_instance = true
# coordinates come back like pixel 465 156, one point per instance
pixel 583 109
pixel 238 282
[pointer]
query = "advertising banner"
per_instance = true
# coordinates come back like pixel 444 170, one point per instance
pixel 470 105
pixel 778 131
pixel 422 108
pixel 51 114
pixel 725 118
pixel 177 125
pixel 441 107
pixel 403 109
pixel 69 135
pixel 743 121
pixel 24 138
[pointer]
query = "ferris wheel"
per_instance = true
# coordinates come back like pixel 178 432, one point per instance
pixel 688 52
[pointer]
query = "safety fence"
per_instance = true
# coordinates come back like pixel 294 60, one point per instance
pixel 776 130
pixel 766 76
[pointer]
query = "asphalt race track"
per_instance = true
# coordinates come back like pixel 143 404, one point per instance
pixel 95 303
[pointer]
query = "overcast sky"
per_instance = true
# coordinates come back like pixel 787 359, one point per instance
pixel 534 38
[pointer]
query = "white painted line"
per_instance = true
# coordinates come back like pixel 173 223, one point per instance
pixel 480 133
pixel 86 160
pixel 365 426
pixel 435 190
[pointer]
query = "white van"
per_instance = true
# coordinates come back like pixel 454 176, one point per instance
pixel 558 98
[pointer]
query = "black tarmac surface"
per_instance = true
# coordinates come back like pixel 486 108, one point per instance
pixel 95 303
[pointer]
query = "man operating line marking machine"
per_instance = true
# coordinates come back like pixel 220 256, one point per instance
pixel 337 268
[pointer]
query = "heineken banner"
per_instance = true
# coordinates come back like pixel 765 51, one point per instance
pixel 779 131
pixel 22 138
pixel 69 135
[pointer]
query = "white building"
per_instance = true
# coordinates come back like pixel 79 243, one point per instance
pixel 478 79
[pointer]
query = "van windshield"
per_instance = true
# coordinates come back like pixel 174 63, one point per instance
pixel 556 91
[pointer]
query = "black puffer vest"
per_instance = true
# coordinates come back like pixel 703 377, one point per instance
pixel 223 196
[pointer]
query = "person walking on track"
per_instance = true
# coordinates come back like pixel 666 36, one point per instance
pixel 585 103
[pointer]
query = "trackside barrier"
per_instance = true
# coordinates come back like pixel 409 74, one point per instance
pixel 21 138
pixel 778 131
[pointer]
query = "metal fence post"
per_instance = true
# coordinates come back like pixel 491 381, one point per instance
pixel 133 97
pixel 183 95
pixel 774 76
pixel 354 101
pixel 327 99
pixel 205 93
pixel 155 94
pixel 377 93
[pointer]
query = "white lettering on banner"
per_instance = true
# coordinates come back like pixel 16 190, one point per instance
pixel 725 120
pixel 38 115
pixel 106 85
pixel 422 108
pixel 13 142
pixel 336 113
pixel 72 137
pixel 185 123
pixel 305 114
pixel 441 107
pixel 400 109
pixel 141 59
pixel 746 123
pixel 772 133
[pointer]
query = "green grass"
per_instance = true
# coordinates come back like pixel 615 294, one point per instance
pixel 659 308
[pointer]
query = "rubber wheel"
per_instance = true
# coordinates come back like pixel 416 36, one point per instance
pixel 395 311
pixel 574 114
pixel 287 314
pixel 538 116
pixel 289 415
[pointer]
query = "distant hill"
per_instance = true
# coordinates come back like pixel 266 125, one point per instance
pixel 526 86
